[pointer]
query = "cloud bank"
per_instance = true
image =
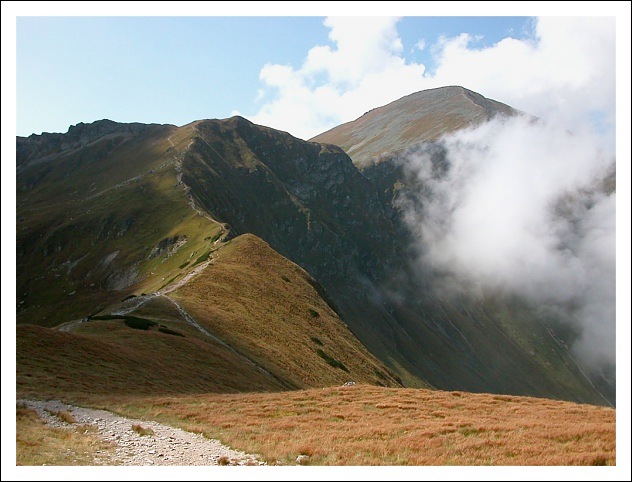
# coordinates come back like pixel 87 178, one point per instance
pixel 514 211
pixel 518 207
pixel 566 72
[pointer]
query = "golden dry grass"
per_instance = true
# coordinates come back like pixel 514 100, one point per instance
pixel 268 308
pixel 367 425
pixel 64 416
pixel 37 444
pixel 261 305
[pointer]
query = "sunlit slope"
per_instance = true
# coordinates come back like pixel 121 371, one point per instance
pixel 368 425
pixel 102 216
pixel 272 311
pixel 419 117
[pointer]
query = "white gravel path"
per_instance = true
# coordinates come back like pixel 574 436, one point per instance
pixel 167 446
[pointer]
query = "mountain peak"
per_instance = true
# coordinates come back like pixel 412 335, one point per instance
pixel 422 116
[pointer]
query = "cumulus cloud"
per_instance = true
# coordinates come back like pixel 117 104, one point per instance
pixel 515 207
pixel 365 68
pixel 564 71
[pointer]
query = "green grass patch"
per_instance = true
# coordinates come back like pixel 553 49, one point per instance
pixel 332 361
pixel 317 341
pixel 184 265
pixel 139 323
pixel 314 313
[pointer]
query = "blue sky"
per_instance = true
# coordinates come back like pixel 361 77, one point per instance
pixel 311 69
pixel 180 69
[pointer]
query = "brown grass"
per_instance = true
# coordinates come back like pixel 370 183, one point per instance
pixel 241 299
pixel 106 357
pixel 267 307
pixel 64 416
pixel 366 425
pixel 38 444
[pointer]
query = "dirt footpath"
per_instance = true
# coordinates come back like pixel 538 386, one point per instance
pixel 165 446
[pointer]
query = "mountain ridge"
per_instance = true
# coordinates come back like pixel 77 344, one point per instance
pixel 307 200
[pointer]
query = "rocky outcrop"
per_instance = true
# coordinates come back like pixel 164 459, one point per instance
pixel 306 199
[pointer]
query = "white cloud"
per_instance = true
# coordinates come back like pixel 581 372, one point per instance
pixel 491 224
pixel 514 213
pixel 566 73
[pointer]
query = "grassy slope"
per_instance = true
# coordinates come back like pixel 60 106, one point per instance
pixel 419 117
pixel 365 425
pixel 268 308
pixel 262 305
pixel 90 223
pixel 107 357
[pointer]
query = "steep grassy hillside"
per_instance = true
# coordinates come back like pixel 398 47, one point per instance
pixel 112 212
pixel 272 311
pixel 250 321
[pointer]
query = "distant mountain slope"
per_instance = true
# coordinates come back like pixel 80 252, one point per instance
pixel 419 117
pixel 123 210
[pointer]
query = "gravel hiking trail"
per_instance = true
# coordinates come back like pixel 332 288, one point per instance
pixel 165 446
